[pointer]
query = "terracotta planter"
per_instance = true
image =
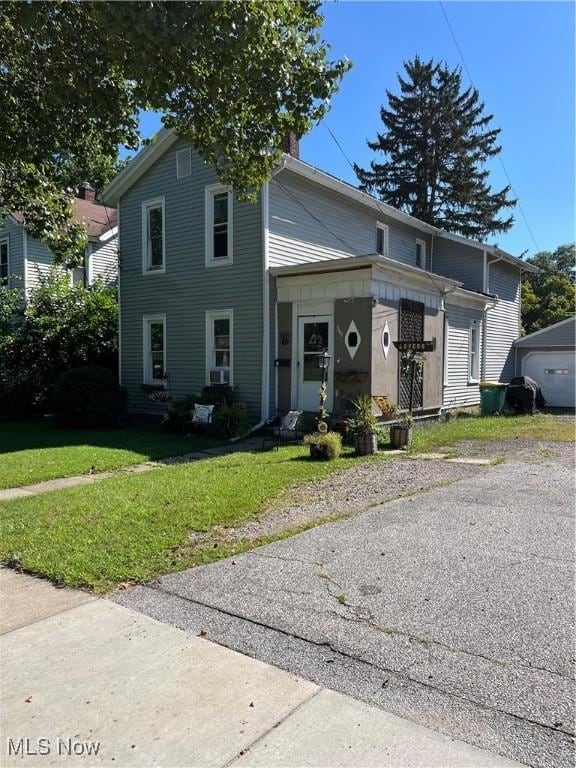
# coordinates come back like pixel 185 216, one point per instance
pixel 400 436
pixel 318 452
pixel 366 443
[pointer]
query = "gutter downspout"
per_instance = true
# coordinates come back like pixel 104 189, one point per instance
pixel 265 409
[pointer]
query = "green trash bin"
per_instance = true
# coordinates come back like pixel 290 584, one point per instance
pixel 492 397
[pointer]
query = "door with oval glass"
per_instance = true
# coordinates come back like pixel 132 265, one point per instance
pixel 315 335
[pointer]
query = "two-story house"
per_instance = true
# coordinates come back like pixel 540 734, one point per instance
pixel 218 291
pixel 24 259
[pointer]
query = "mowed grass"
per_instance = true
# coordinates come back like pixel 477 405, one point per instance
pixel 31 452
pixel 135 527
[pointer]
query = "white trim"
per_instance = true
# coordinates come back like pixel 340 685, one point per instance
pixel 445 361
pixel 89 264
pixel 308 312
pixel 118 269
pixel 545 330
pixel 386 230
pixel 6 239
pixel 474 325
pixel 209 193
pixel 147 320
pixel 422 244
pixel 25 257
pixel 139 164
pixel 265 399
pixel 110 233
pixel 147 205
pixel 211 315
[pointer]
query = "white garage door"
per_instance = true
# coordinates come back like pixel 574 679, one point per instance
pixel 554 372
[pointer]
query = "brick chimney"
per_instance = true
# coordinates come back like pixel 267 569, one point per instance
pixel 86 191
pixel 290 144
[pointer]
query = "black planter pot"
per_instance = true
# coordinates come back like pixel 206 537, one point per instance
pixel 400 436
pixel 366 443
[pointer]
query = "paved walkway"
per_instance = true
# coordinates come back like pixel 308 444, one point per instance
pixel 58 483
pixel 86 682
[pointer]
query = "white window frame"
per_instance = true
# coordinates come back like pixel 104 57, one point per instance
pixel 211 191
pixel 211 316
pixel 473 376
pixel 6 241
pixel 386 238
pixel 147 205
pixel 147 377
pixel 422 244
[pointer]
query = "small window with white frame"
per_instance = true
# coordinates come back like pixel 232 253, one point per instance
pixel 420 253
pixel 153 236
pixel 154 349
pixel 4 261
pixel 219 347
pixel 219 225
pixel 382 239
pixel 474 351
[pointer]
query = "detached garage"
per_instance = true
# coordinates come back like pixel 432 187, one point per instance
pixel 549 357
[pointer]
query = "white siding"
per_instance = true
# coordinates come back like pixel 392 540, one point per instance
pixel 39 262
pixel 104 260
pixel 310 223
pixel 502 322
pixel 457 391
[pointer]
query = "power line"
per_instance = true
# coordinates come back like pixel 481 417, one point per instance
pixel 506 174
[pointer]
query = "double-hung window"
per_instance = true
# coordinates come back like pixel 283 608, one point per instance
pixel 4 261
pixel 219 225
pixel 219 351
pixel 421 253
pixel 474 351
pixel 382 239
pixel 153 236
pixel 154 349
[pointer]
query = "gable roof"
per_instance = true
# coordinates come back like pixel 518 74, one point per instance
pixel 97 219
pixel 165 138
pixel 559 334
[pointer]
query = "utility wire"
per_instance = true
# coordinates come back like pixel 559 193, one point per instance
pixel 463 60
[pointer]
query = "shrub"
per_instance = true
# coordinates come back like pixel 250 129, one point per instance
pixel 230 420
pixel 88 398
pixel 179 413
pixel 328 445
pixel 217 395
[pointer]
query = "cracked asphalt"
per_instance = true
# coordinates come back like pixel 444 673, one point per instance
pixel 453 607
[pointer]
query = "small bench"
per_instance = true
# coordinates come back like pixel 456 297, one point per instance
pixel 287 429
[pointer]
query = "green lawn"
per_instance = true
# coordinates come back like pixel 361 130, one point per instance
pixel 134 527
pixel 34 451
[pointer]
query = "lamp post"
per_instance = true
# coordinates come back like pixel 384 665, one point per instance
pixel 324 363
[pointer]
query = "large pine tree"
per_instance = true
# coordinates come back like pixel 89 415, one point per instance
pixel 436 143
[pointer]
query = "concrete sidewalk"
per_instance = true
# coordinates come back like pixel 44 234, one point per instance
pixel 88 682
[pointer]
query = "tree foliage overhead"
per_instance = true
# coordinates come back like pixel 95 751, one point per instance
pixel 231 77
pixel 435 144
pixel 550 295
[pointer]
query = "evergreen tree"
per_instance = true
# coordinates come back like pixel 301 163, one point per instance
pixel 435 144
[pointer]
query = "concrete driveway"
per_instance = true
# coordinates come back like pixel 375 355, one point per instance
pixel 453 608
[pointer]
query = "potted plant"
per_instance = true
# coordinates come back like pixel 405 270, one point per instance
pixel 364 426
pixel 401 432
pixel 326 446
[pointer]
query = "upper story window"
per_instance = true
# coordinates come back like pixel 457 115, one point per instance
pixel 4 261
pixel 474 351
pixel 218 213
pixel 421 253
pixel 382 239
pixel 154 349
pixel 219 335
pixel 153 236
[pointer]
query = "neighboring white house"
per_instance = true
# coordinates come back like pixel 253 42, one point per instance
pixel 549 357
pixel 23 259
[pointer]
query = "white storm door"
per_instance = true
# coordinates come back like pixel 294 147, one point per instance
pixel 315 335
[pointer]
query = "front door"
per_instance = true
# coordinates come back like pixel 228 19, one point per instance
pixel 314 336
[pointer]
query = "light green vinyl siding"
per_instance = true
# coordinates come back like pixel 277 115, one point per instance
pixel 188 289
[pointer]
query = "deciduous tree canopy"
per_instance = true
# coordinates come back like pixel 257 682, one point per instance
pixel 550 295
pixel 435 145
pixel 232 77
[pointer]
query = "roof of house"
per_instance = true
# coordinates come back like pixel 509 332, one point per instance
pixel 165 138
pixel 561 334
pixel 97 219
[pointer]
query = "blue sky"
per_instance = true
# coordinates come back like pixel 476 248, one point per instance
pixel 521 58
